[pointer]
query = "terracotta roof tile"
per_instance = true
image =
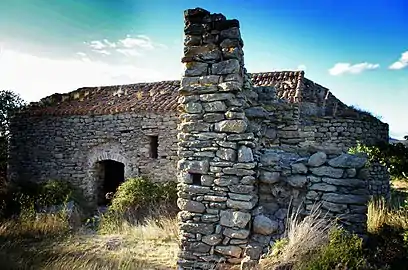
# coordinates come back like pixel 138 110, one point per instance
pixel 148 97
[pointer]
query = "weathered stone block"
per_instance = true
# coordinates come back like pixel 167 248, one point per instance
pixel 190 166
pixel 240 205
pixel 231 218
pixel 212 240
pixel 227 154
pixel 348 161
pixel 193 107
pixel 264 225
pixel 345 199
pixel 232 251
pixel 327 171
pixel 297 180
pixel 215 106
pixel 323 187
pixel 237 234
pixel 231 126
pixel 191 206
pixel 299 168
pixel 197 228
pixel 193 69
pixel 245 154
pixel 198 247
pixel 225 67
pixel 269 177
pixel 317 159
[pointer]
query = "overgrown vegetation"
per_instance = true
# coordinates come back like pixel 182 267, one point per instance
pixel 314 244
pixel 10 102
pixel 30 239
pixel 30 197
pixel 394 156
pixel 136 199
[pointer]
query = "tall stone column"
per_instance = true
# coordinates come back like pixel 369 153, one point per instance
pixel 216 167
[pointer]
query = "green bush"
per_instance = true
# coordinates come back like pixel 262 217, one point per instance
pixel 344 249
pixel 55 193
pixel 29 197
pixel 395 157
pixel 388 247
pixel 139 193
pixel 135 200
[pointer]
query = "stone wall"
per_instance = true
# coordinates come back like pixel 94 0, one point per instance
pixel 379 181
pixel 216 167
pixel 242 164
pixel 332 185
pixel 342 132
pixel 68 148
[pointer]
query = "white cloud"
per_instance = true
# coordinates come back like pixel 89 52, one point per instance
pixel 105 52
pixel 401 63
pixel 301 67
pixel 97 45
pixel 35 77
pixel 128 46
pixel 129 52
pixel 344 68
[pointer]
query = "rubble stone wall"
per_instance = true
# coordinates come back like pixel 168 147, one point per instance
pixel 343 133
pixel 68 148
pixel 289 181
pixel 216 166
pixel 242 164
pixel 379 181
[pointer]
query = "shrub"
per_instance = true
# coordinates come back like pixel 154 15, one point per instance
pixel 303 236
pixel 395 157
pixel 140 194
pixel 343 250
pixel 30 197
pixel 136 199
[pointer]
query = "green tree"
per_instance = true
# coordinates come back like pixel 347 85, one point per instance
pixel 10 102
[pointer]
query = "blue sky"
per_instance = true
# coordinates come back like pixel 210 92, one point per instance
pixel 358 49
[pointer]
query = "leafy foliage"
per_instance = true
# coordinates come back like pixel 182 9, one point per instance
pixel 344 249
pixel 135 200
pixel 139 193
pixel 9 104
pixel 29 197
pixel 395 157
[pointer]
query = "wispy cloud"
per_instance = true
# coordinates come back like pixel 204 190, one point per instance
pixel 128 46
pixel 401 63
pixel 301 67
pixel 45 76
pixel 344 68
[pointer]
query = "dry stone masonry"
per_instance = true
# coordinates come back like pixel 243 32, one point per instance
pixel 242 165
pixel 336 183
pixel 379 181
pixel 246 149
pixel 70 148
pixel 216 166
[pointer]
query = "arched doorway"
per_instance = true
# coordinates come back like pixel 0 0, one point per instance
pixel 110 174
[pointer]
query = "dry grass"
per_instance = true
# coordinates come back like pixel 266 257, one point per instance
pixel 400 184
pixel 152 245
pixel 302 237
pixel 380 213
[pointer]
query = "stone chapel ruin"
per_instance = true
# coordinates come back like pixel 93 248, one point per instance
pixel 243 147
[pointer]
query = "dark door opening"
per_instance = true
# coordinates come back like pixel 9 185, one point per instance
pixel 112 174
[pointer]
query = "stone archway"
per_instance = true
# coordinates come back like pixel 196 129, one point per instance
pixel 109 155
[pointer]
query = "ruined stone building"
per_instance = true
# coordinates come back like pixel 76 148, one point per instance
pixel 242 146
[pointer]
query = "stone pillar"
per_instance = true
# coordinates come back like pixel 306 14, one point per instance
pixel 216 166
